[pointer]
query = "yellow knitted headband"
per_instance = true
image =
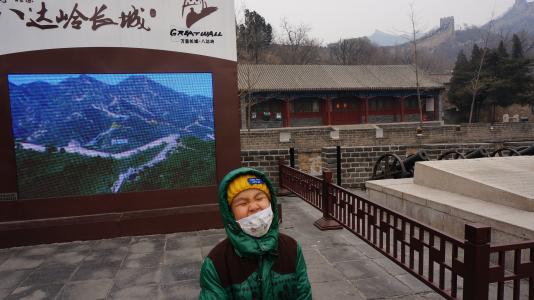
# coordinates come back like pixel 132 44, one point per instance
pixel 245 182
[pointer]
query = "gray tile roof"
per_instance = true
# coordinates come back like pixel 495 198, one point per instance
pixel 441 78
pixel 279 78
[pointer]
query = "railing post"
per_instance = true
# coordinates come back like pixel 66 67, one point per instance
pixel 326 222
pixel 476 261
pixel 281 190
pixel 292 157
pixel 338 165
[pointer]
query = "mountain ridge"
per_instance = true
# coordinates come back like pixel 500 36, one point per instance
pixel 133 112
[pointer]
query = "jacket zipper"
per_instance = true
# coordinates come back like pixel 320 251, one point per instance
pixel 260 269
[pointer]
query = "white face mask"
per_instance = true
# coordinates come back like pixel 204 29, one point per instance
pixel 257 224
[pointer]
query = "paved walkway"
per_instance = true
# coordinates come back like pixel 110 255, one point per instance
pixel 340 266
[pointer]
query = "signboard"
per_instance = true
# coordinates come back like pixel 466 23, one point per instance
pixel 430 104
pixel 204 27
pixel 117 117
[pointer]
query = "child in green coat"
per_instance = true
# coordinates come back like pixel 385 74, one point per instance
pixel 255 261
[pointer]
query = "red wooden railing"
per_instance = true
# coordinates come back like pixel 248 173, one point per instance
pixel 453 268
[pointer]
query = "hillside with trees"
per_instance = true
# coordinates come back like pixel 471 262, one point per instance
pixel 260 42
pixel 491 77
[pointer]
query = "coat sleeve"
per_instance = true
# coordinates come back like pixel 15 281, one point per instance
pixel 210 284
pixel 303 284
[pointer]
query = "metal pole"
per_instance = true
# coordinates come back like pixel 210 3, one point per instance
pixel 326 222
pixel 292 157
pixel 327 198
pixel 338 161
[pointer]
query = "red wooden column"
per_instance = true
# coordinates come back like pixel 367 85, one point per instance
pixel 366 109
pixel 436 107
pixel 285 113
pixel 402 109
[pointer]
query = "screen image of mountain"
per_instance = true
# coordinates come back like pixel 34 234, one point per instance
pixel 87 134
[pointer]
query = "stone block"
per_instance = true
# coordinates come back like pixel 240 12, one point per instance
pixel 188 255
pixel 339 290
pixel 359 269
pixel 143 260
pixel 49 275
pixel 11 279
pixel 87 290
pixel 96 271
pixel 185 290
pixel 181 272
pixel 35 292
pixel 138 277
pixel 15 263
pixel 323 273
pixel 490 179
pixel 373 288
pixel 135 292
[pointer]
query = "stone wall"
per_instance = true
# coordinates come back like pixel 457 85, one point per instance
pixel 525 112
pixel 299 122
pixel 382 118
pixel 316 138
pixel 265 161
pixel 357 163
pixel 363 145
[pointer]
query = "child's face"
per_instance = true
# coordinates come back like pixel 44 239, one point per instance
pixel 249 202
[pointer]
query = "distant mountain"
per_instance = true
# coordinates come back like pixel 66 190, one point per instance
pixel 440 46
pixel 518 18
pixel 104 117
pixel 381 38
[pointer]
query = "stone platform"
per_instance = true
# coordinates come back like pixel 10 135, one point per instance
pixel 507 181
pixel 498 192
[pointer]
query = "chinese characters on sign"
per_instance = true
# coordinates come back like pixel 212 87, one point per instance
pixel 197 41
pixel 44 20
pixel 192 37
pixel 186 26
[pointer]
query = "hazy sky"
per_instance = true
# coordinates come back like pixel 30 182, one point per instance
pixel 331 20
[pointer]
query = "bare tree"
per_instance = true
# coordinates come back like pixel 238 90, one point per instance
pixel 475 82
pixel 249 77
pixel 413 41
pixel 352 51
pixel 342 51
pixel 297 46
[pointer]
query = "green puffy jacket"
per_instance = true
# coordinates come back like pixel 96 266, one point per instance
pixel 245 267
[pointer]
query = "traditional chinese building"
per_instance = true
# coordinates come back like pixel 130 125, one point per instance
pixel 316 95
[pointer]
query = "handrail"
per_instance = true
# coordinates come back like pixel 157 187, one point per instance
pixel 437 259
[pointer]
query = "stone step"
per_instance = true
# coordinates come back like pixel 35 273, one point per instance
pixel 507 181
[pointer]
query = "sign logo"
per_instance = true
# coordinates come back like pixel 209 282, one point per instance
pixel 196 10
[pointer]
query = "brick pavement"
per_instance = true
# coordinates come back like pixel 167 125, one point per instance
pixel 340 266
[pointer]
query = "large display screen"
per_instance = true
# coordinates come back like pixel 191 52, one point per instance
pixel 88 134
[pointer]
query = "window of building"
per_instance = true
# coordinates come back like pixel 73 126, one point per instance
pixel 411 103
pixel 372 105
pixel 388 104
pixel 305 105
pixel 377 104
pixel 344 105
pixel 267 110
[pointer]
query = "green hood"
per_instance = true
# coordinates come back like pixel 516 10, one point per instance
pixel 244 244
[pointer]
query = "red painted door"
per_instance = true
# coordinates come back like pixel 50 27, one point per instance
pixel 346 111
